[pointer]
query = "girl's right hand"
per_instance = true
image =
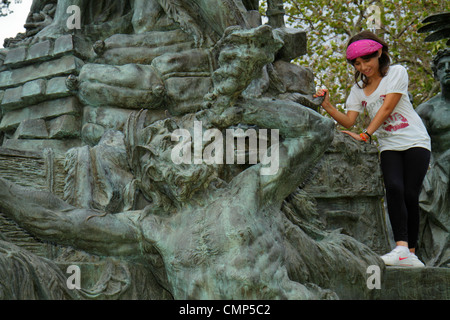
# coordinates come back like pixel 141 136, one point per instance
pixel 321 93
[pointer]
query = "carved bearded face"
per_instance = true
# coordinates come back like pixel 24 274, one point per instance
pixel 150 148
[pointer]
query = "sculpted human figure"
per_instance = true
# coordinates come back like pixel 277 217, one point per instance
pixel 206 230
pixel 42 23
pixel 129 77
pixel 192 15
pixel 435 202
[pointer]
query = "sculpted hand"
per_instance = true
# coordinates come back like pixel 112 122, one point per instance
pixel 229 117
pixel 323 93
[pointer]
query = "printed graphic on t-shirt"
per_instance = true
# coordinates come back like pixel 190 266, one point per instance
pixel 394 122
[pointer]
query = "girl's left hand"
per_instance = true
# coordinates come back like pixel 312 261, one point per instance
pixel 353 135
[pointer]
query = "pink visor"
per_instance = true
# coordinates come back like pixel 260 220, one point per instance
pixel 362 48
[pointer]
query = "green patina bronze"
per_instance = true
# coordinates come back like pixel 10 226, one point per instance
pixel 87 176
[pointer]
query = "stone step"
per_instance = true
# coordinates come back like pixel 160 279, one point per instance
pixel 33 92
pixel 44 110
pixel 415 284
pixel 63 66
pixel 44 51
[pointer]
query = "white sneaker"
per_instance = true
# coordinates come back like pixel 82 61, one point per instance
pixel 412 261
pixel 396 257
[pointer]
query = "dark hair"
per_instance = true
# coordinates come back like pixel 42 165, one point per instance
pixel 441 53
pixel 384 60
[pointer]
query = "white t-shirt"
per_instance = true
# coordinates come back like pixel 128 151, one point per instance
pixel 404 128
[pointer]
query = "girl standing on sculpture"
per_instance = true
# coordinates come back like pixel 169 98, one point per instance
pixel 404 143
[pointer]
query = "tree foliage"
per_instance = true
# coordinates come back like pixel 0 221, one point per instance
pixel 330 24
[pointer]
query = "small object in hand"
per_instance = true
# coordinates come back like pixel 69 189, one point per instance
pixel 365 136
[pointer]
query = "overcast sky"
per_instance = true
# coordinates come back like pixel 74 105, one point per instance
pixel 13 23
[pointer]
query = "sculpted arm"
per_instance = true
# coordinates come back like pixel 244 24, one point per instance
pixel 424 111
pixel 49 218
pixel 304 136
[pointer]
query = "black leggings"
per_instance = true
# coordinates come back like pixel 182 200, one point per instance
pixel 403 173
